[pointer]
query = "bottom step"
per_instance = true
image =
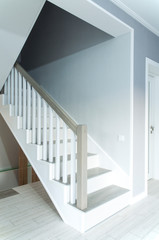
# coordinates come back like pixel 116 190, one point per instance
pixel 104 195
pixel 105 203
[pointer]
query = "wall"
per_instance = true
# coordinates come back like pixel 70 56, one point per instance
pixel 15 26
pixel 146 44
pixel 58 34
pixel 8 158
pixel 75 63
pixel 87 86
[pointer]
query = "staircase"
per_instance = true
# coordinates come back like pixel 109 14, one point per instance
pixel 83 192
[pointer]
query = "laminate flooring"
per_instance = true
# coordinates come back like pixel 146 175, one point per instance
pixel 30 215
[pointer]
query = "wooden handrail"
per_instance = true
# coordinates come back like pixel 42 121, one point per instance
pixel 62 114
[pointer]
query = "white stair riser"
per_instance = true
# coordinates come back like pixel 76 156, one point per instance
pixel 99 182
pixel 92 162
pixel 105 210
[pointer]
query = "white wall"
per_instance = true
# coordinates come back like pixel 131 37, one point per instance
pixel 93 86
pixel 8 157
pixel 15 26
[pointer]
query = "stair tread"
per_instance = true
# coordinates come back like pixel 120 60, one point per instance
pixel 93 172
pixel 96 172
pixel 68 157
pixel 104 195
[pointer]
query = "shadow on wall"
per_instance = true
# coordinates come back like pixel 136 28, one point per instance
pixel 9 148
pixel 58 34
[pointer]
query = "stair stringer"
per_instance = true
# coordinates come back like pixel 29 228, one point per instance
pixel 120 178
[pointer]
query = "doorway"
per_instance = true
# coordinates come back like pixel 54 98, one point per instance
pixel 152 120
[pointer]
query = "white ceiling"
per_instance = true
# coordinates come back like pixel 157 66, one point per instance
pixel 145 11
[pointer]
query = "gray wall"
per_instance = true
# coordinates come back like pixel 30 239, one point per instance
pixel 87 85
pixel 8 157
pixel 146 45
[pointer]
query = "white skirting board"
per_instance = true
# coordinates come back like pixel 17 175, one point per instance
pixel 8 179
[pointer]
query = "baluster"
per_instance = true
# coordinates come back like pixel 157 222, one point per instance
pixel 16 93
pixel 12 86
pixel 20 95
pixel 50 134
pixel 44 130
pixel 5 87
pixel 5 92
pixel 24 103
pixel 28 106
pixel 39 120
pixel 57 148
pixel 33 116
pixel 64 169
pixel 9 80
pixel 73 168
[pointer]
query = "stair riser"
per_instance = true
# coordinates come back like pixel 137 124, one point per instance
pixel 99 182
pixel 92 162
pixel 106 210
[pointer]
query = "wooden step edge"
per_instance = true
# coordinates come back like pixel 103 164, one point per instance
pixel 92 173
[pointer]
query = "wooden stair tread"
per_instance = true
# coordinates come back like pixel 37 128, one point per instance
pixel 68 157
pixel 104 195
pixel 93 172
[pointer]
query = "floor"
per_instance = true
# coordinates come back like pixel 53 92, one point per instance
pixel 30 215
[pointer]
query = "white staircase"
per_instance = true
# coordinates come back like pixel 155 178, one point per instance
pixel 83 192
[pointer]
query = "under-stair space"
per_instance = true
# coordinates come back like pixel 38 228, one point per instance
pixel 83 192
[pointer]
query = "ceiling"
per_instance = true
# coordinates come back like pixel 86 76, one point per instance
pixel 144 11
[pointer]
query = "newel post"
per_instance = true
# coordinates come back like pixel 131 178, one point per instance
pixel 82 167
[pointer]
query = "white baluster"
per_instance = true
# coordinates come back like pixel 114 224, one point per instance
pixel 33 116
pixel 24 103
pixel 39 120
pixel 16 93
pixel 5 87
pixel 73 168
pixel 12 86
pixel 5 92
pixel 28 106
pixel 57 148
pixel 44 130
pixel 20 95
pixel 64 166
pixel 50 134
pixel 9 80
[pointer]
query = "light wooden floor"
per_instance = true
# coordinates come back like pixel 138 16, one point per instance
pixel 30 215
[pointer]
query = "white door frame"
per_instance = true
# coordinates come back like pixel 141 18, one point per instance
pixel 152 67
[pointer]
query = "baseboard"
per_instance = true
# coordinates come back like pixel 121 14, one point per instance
pixel 8 179
pixel 138 198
